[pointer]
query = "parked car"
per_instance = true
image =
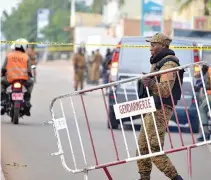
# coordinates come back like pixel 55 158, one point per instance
pixel 130 62
pixel 206 54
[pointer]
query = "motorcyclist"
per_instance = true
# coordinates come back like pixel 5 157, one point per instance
pixel 17 66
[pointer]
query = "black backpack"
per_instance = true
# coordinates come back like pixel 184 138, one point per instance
pixel 142 90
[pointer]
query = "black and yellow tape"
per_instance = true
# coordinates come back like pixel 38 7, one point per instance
pixel 54 46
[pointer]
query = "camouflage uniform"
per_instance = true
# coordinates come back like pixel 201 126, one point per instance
pixel 91 59
pixel 79 64
pixel 32 54
pixel 162 162
pixel 95 73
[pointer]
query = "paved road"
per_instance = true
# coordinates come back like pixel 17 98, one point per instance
pixel 26 148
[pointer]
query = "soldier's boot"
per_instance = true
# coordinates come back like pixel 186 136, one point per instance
pixel 206 133
pixel 27 104
pixel 178 177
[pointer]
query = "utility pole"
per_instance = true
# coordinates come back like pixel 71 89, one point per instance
pixel 72 21
pixel 72 13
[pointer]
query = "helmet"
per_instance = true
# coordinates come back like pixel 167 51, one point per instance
pixel 12 46
pixel 24 44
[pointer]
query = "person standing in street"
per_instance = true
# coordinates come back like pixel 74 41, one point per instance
pixel 108 58
pixel 89 66
pixel 79 65
pixel 203 108
pixel 160 53
pixel 95 73
pixel 33 57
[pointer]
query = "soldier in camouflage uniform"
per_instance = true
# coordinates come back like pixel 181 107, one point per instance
pixel 79 65
pixel 159 49
pixel 95 71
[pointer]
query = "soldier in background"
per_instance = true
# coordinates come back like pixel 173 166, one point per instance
pixel 32 54
pixel 95 73
pixel 106 68
pixel 33 58
pixel 79 65
pixel 89 66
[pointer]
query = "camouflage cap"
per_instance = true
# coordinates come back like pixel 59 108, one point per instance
pixel 160 38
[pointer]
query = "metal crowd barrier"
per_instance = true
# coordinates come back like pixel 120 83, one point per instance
pixel 66 124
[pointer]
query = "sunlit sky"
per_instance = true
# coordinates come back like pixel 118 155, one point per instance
pixel 7 5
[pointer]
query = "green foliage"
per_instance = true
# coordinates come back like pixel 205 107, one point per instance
pixel 22 22
pixel 186 4
pixel 97 6
pixel 121 2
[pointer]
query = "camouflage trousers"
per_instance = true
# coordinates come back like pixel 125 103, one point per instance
pixel 79 79
pixel 162 162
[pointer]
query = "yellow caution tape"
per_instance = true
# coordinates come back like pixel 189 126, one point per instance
pixel 101 45
pixel 55 49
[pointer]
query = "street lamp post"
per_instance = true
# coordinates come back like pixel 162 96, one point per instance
pixel 72 21
pixel 72 14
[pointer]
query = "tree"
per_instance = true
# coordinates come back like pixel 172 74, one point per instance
pixel 97 6
pixel 22 22
pixel 59 19
pixel 207 5
pixel 81 7
pixel 55 30
pixel 5 14
pixel 121 2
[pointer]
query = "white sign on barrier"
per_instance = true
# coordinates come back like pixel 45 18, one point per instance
pixel 60 123
pixel 133 108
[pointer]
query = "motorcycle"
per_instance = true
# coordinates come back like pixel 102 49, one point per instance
pixel 15 103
